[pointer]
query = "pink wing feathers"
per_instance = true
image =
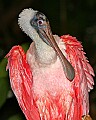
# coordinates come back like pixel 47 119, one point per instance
pixel 21 79
pixel 21 82
pixel 83 81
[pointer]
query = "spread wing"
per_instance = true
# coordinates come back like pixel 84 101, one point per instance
pixel 21 82
pixel 84 73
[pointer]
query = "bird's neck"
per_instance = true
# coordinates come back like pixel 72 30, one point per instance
pixel 44 53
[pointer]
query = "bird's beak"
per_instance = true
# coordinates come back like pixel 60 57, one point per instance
pixel 48 38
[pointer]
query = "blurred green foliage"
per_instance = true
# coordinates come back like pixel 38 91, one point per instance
pixel 15 117
pixel 4 86
pixel 77 18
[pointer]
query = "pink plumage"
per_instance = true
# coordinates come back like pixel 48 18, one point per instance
pixel 46 93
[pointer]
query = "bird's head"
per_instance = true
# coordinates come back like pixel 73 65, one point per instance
pixel 37 27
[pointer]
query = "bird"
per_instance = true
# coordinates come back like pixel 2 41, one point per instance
pixel 52 80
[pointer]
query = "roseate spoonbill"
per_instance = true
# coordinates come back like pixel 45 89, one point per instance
pixel 52 80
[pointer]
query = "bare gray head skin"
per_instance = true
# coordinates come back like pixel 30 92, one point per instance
pixel 36 25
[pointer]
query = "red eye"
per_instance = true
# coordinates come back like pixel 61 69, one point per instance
pixel 40 22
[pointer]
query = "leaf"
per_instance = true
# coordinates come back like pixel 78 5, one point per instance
pixel 4 84
pixel 16 117
pixel 4 88
pixel 25 46
pixel 3 72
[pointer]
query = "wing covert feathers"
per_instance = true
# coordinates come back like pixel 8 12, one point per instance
pixel 76 56
pixel 83 81
pixel 21 82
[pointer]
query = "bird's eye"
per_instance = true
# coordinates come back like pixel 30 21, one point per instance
pixel 40 22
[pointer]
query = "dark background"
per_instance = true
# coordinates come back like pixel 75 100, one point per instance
pixel 74 17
